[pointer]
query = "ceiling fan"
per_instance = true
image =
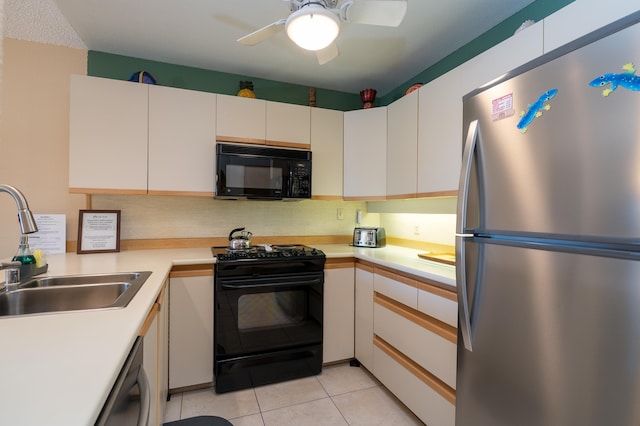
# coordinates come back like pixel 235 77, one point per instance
pixel 315 24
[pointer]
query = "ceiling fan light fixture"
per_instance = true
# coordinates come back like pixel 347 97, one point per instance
pixel 313 27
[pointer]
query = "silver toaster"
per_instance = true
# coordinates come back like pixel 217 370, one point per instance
pixel 369 237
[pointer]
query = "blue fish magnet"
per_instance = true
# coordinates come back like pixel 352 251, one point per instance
pixel 627 79
pixel 535 109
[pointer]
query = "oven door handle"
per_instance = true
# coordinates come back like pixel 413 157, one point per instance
pixel 244 284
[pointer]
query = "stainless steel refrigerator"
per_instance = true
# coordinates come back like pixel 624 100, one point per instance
pixel 548 244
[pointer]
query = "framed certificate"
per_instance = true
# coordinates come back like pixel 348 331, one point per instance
pixel 98 231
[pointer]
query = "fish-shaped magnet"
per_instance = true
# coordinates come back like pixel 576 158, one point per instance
pixel 628 79
pixel 535 109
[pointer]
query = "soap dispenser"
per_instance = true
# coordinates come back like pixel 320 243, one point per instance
pixel 24 254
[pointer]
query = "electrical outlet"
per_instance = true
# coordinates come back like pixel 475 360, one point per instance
pixel 416 230
pixel 339 214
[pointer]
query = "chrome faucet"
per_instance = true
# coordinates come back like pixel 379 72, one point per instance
pixel 27 222
pixel 27 226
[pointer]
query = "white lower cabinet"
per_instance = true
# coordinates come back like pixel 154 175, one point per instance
pixel 414 343
pixel 438 303
pixel 427 404
pixel 191 328
pixel 338 318
pixel 364 315
pixel 417 337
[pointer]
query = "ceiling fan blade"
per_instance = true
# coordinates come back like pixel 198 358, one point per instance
pixel 388 13
pixel 262 34
pixel 327 54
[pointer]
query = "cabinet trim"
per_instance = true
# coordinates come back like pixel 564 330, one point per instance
pixel 221 138
pixel 182 193
pixel 400 196
pixel 339 263
pixel 429 287
pixel 181 271
pixel 160 299
pixel 288 144
pixel 108 191
pixel 428 378
pixel 153 312
pixel 365 265
pixel 366 198
pixel 404 279
pixel 435 287
pixel 452 193
pixel 423 320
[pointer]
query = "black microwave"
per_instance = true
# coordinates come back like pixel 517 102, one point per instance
pixel 262 173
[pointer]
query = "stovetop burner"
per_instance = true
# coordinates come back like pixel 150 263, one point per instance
pixel 265 252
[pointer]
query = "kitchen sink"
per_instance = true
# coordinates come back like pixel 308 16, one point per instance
pixel 72 293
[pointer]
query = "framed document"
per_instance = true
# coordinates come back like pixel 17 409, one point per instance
pixel 98 231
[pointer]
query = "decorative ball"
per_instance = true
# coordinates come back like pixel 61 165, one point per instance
pixel 413 88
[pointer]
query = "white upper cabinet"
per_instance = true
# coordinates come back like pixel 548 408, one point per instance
pixel 181 141
pixel 582 17
pixel 288 125
pixel 327 153
pixel 241 119
pixel 502 58
pixel 108 136
pixel 440 136
pixel 402 145
pixel 365 154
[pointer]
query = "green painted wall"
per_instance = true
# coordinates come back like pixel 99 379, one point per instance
pixel 119 67
pixel 536 11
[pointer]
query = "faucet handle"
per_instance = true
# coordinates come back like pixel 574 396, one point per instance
pixel 12 276
pixel 12 264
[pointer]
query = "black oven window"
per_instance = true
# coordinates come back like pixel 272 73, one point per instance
pixel 279 308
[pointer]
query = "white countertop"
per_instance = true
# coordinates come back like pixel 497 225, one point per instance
pixel 58 369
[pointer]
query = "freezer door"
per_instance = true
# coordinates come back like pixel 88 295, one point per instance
pixel 574 171
pixel 556 339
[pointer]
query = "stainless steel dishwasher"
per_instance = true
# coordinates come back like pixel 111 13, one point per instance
pixel 129 401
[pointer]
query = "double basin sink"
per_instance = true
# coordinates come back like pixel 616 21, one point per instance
pixel 71 293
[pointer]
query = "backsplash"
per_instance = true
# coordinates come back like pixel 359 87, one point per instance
pixel 158 217
pixel 434 228
pixel 151 217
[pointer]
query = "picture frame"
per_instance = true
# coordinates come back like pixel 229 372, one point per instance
pixel 98 231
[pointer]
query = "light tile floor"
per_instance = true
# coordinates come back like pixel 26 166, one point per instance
pixel 341 395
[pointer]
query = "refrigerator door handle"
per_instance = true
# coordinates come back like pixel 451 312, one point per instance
pixel 473 134
pixel 463 300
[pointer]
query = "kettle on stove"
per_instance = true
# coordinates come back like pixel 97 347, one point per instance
pixel 241 241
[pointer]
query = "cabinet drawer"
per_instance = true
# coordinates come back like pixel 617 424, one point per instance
pixel 438 303
pixel 430 406
pixel 406 331
pixel 402 289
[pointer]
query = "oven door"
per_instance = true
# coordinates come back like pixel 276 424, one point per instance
pixel 267 328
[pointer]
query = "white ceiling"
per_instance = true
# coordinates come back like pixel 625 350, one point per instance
pixel 203 33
